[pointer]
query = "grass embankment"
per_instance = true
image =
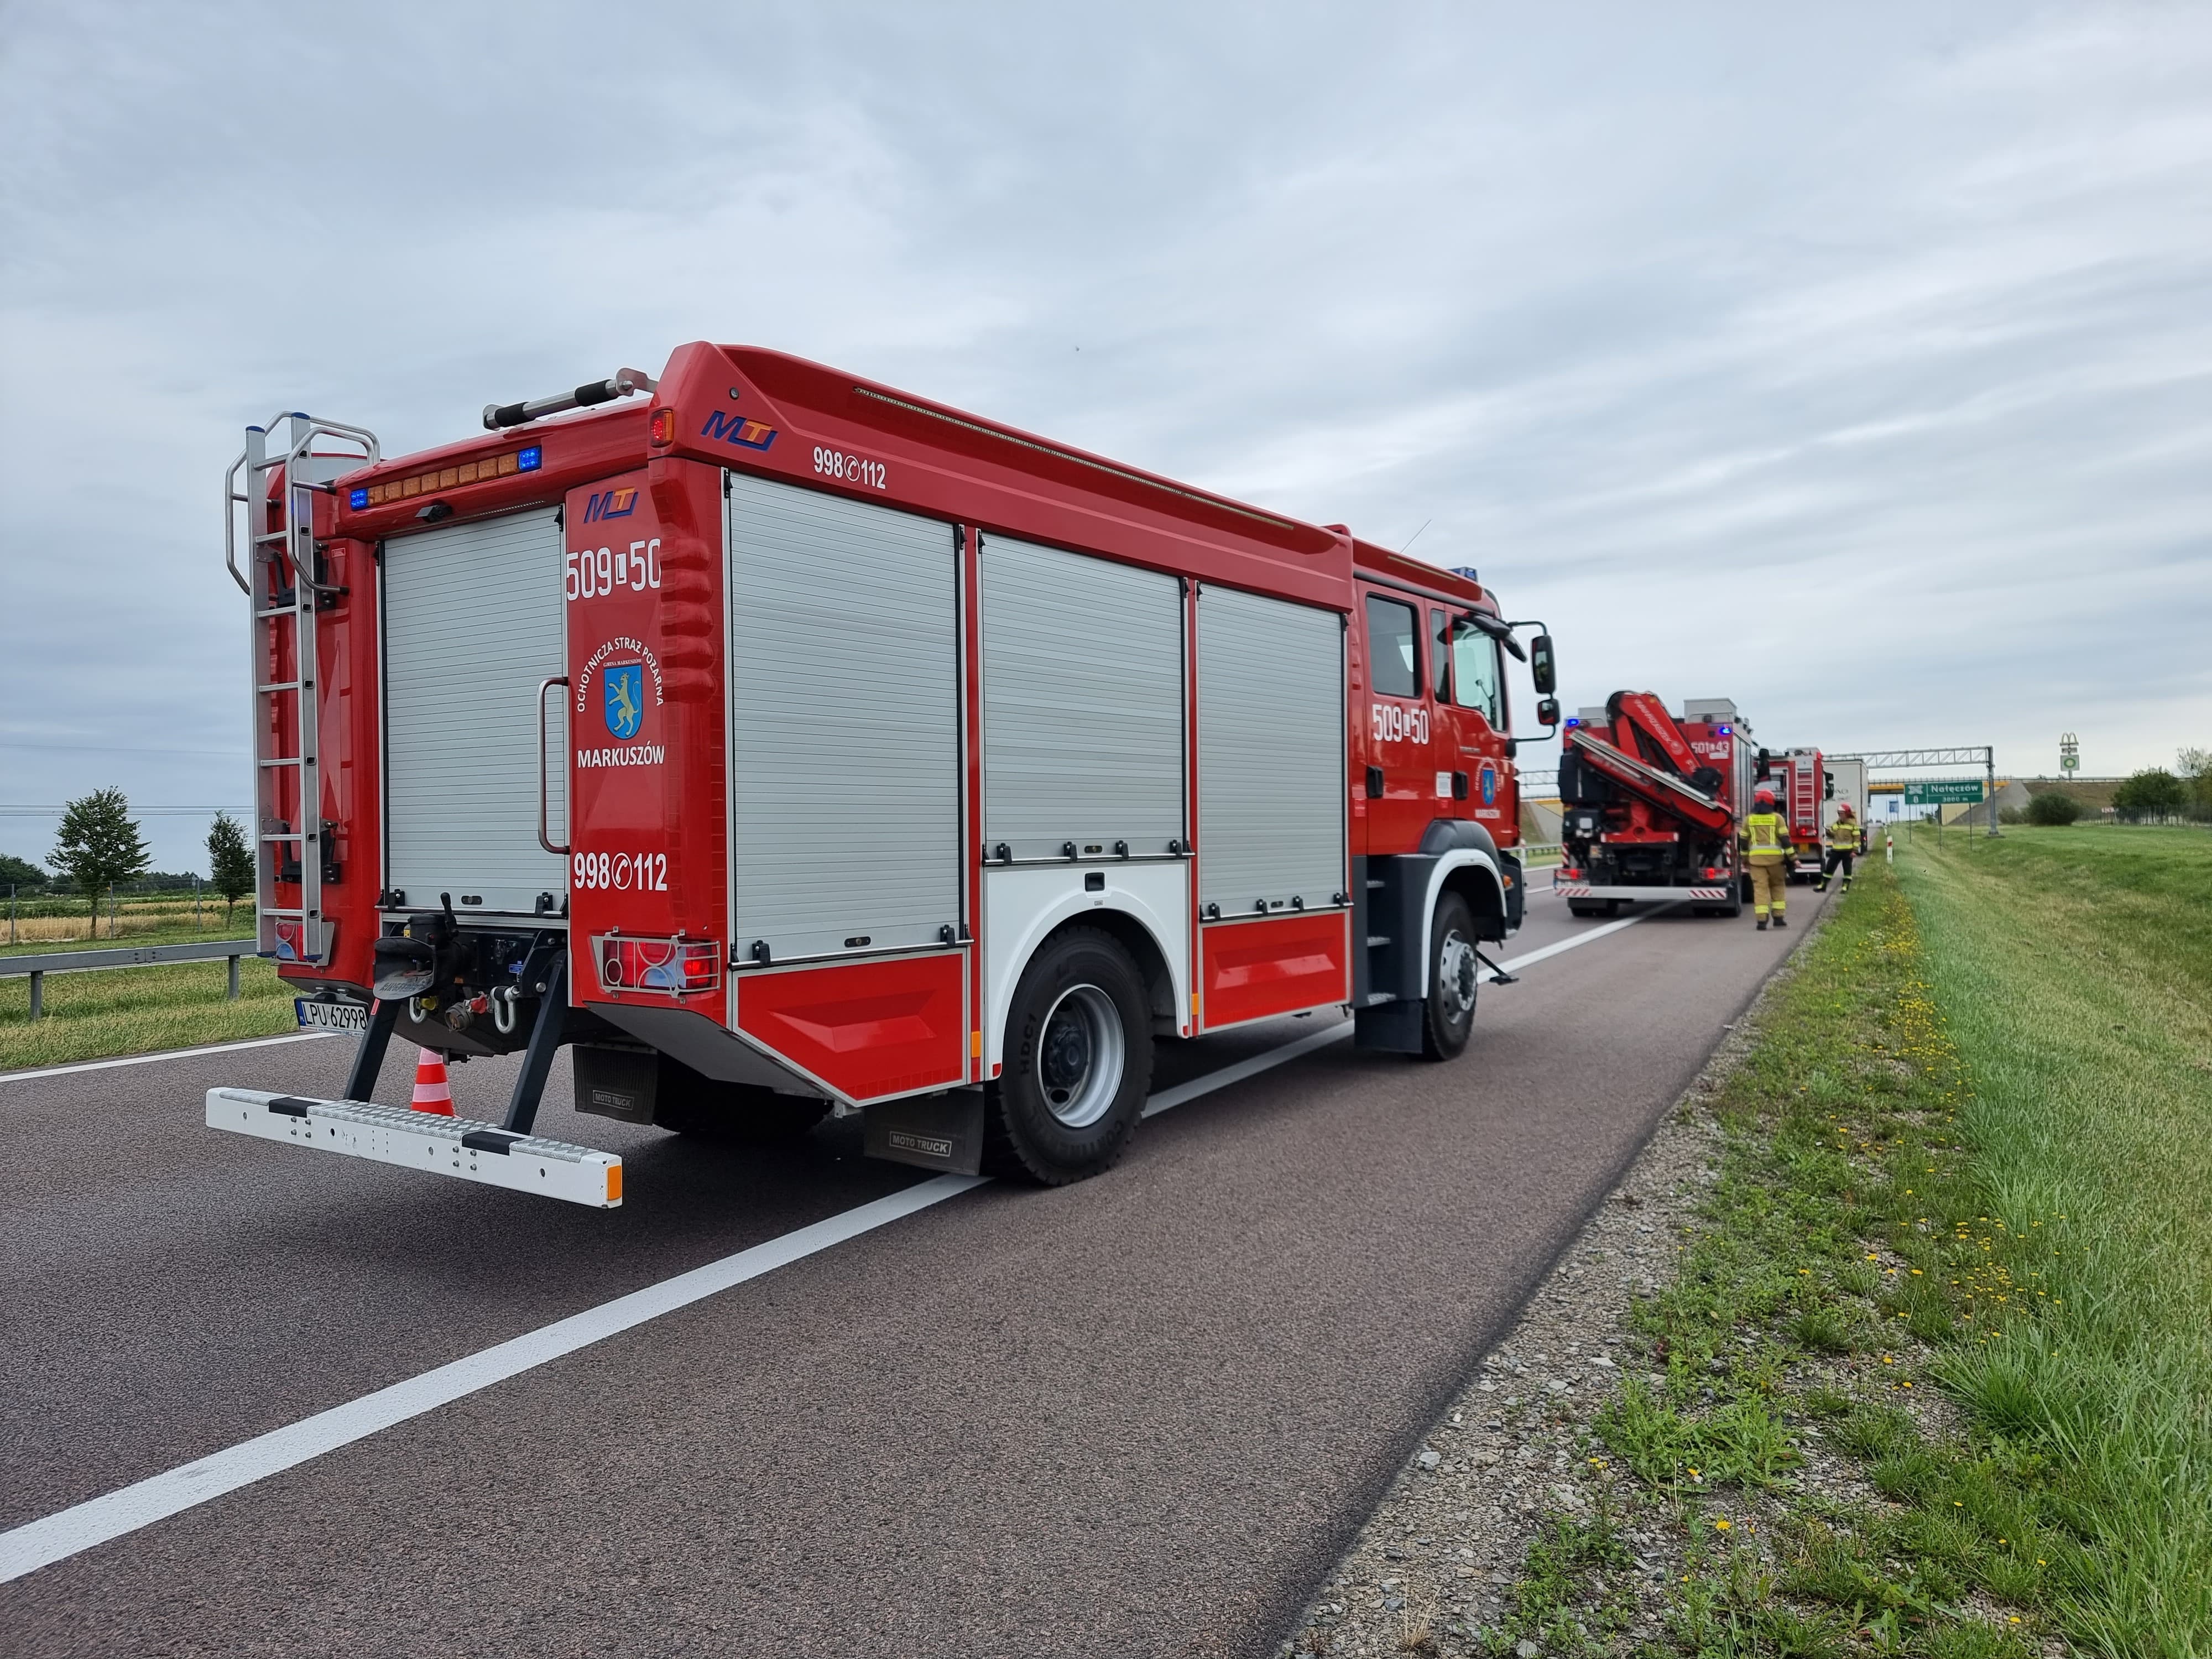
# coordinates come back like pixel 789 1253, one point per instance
pixel 134 1011
pixel 1936 1374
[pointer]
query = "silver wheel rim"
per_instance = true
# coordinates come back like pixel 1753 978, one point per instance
pixel 1455 973
pixel 1080 1054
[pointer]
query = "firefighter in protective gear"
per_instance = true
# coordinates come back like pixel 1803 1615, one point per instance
pixel 1766 840
pixel 1845 841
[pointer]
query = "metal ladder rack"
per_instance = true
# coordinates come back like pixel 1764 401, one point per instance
pixel 283 591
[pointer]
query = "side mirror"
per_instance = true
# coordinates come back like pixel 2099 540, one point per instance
pixel 1547 711
pixel 1540 667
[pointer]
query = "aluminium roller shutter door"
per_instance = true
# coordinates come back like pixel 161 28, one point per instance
pixel 472 623
pixel 845 701
pixel 1083 702
pixel 1271 766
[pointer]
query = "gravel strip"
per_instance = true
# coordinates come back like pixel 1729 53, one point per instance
pixel 1433 1569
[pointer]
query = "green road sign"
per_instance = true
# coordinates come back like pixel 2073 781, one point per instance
pixel 1941 792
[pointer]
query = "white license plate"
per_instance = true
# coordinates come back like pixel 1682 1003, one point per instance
pixel 331 1016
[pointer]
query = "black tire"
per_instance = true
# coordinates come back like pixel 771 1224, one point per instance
pixel 1078 1063
pixel 1584 910
pixel 734 1114
pixel 1612 906
pixel 1447 1016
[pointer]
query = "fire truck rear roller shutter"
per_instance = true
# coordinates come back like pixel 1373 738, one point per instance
pixel 1083 709
pixel 1271 764
pixel 844 675
pixel 471 623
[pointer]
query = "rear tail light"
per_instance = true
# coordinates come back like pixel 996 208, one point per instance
pixel 662 427
pixel 664 967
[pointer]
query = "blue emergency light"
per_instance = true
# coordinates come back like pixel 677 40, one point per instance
pixel 531 458
pixel 1725 730
pixel 359 499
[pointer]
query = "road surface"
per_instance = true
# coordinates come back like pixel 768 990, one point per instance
pixel 1141 1415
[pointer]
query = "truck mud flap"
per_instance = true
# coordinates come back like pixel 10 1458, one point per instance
pixel 456 1146
pixel 933 1132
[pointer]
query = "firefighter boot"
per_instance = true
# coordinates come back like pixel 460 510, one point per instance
pixel 1781 920
pixel 1821 884
pixel 1762 921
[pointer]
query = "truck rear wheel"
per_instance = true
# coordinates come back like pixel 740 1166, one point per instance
pixel 1447 1018
pixel 1078 1063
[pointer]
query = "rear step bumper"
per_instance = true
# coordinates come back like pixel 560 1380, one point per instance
pixel 457 1146
pixel 1704 893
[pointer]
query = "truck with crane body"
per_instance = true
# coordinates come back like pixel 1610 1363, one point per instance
pixel 1650 805
pixel 781 744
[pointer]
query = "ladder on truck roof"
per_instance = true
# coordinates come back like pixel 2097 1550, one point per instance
pixel 284 593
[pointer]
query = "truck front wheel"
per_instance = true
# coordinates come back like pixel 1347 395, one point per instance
pixel 1078 1063
pixel 1448 1017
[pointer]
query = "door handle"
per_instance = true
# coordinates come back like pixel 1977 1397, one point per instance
pixel 544 839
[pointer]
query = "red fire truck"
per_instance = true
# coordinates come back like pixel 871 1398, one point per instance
pixel 785 744
pixel 1649 804
pixel 1803 786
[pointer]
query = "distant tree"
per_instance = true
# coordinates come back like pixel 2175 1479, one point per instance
pixel 230 861
pixel 2154 793
pixel 2053 809
pixel 165 881
pixel 20 873
pixel 2195 770
pixel 98 845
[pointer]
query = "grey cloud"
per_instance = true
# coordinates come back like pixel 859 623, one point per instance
pixel 1858 368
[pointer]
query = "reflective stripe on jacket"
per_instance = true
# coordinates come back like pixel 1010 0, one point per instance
pixel 1844 835
pixel 1766 834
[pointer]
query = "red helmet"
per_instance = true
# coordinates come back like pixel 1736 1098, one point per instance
pixel 1763 796
pixel 1845 810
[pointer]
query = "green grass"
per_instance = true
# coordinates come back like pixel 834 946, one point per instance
pixel 130 1011
pixel 2075 969
pixel 1969 1151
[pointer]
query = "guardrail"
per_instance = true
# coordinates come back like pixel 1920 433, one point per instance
pixel 38 965
pixel 1548 851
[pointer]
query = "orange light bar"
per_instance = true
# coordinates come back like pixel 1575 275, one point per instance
pixel 429 483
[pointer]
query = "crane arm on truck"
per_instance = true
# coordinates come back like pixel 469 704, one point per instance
pixel 1658 789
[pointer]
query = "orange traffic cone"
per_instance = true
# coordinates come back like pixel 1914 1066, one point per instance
pixel 433 1093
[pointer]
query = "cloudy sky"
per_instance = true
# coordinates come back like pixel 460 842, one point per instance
pixel 1853 362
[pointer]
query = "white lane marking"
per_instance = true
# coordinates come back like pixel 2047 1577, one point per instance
pixel 168 1054
pixel 40 1543
pixel 1168 1098
pixel 1585 938
pixel 98 1521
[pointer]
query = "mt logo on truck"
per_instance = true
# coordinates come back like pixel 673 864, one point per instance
pixel 1088 760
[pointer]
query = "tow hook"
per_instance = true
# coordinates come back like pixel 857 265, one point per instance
pixel 1497 976
pixel 504 1017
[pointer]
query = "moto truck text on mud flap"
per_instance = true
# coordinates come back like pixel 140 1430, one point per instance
pixel 782 743
pixel 1649 804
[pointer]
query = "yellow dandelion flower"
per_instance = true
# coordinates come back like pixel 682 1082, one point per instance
pixel 1721 1523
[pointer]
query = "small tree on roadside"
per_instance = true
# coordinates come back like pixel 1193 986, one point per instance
pixel 2196 769
pixel 2053 809
pixel 98 845
pixel 2153 793
pixel 230 862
